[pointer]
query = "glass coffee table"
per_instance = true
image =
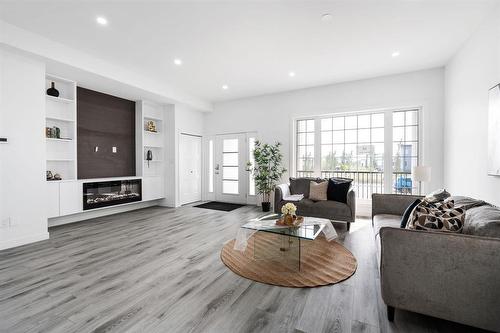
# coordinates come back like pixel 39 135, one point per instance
pixel 282 244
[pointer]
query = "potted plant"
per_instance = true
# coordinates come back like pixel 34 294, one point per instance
pixel 267 170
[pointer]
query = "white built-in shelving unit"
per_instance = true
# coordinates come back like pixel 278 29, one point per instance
pixel 65 196
pixel 152 171
pixel 61 113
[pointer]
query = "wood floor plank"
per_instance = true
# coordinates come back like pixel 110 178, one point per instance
pixel 159 270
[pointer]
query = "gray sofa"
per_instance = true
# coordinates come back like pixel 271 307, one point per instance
pixel 446 275
pixel 329 209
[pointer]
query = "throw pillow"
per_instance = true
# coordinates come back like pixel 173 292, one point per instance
pixel 436 196
pixel 317 191
pixel 338 189
pixel 437 217
pixel 301 185
pixel 408 211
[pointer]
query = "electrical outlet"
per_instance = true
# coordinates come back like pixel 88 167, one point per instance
pixel 6 223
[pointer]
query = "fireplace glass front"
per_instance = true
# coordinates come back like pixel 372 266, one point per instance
pixel 109 193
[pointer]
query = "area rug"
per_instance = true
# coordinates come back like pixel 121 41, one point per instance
pixel 216 205
pixel 322 262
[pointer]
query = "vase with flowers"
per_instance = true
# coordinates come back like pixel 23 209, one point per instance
pixel 288 210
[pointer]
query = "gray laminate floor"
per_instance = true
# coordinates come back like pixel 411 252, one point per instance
pixel 158 270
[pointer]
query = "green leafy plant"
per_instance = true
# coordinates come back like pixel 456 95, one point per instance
pixel 267 169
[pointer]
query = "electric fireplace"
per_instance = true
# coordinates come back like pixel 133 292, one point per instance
pixel 110 193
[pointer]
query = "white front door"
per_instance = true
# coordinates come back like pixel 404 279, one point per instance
pixel 189 168
pixel 231 177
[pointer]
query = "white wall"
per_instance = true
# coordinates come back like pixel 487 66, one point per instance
pixel 95 72
pixel 22 174
pixel 468 77
pixel 271 115
pixel 180 118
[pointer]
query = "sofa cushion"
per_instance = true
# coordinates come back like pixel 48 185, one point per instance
pixel 385 220
pixel 466 202
pixel 317 191
pixel 301 185
pixel 338 189
pixel 437 195
pixel 440 216
pixel 483 221
pixel 324 209
pixel 408 211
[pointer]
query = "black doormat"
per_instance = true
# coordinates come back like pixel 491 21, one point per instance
pixel 216 205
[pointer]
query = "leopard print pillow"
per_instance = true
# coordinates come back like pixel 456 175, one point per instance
pixel 439 216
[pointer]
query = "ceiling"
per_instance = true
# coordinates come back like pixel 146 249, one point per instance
pixel 252 46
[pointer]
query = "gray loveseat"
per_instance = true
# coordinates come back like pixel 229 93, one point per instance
pixel 328 209
pixel 446 275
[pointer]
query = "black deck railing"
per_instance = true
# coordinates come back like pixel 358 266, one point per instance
pixel 367 182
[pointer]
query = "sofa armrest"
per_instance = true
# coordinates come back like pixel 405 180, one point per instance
pixel 444 275
pixel 278 197
pixel 351 202
pixel 394 204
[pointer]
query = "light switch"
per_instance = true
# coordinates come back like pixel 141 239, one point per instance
pixel 114 150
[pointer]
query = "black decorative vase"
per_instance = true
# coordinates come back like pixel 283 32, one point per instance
pixel 266 206
pixel 52 91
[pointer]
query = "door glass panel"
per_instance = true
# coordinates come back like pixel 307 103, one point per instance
pixel 211 166
pixel 230 173
pixel 251 181
pixel 230 146
pixel 230 166
pixel 230 186
pixel 230 159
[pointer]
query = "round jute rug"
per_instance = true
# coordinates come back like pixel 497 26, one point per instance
pixel 272 259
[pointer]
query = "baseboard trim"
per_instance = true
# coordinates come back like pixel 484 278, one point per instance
pixel 90 214
pixel 23 241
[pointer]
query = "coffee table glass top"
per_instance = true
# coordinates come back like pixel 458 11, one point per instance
pixel 309 229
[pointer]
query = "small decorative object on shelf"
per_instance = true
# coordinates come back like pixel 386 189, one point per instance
pixel 51 176
pixel 149 156
pixel 289 218
pixel 52 91
pixel 53 132
pixel 151 126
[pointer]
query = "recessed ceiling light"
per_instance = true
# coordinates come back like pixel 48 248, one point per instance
pixel 291 74
pixel 178 61
pixel 395 54
pixel 225 87
pixel 101 20
pixel 326 17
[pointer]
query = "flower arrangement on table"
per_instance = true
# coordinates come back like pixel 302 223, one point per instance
pixel 289 218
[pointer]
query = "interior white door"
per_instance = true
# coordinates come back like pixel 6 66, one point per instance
pixel 189 168
pixel 230 168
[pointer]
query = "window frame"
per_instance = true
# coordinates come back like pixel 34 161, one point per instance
pixel 388 139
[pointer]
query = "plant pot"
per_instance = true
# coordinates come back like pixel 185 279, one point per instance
pixel 266 206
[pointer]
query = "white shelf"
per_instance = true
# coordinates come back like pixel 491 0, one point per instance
pixel 60 119
pixel 154 161
pixel 153 146
pixel 61 112
pixel 152 118
pixel 152 133
pixel 59 99
pixel 59 139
